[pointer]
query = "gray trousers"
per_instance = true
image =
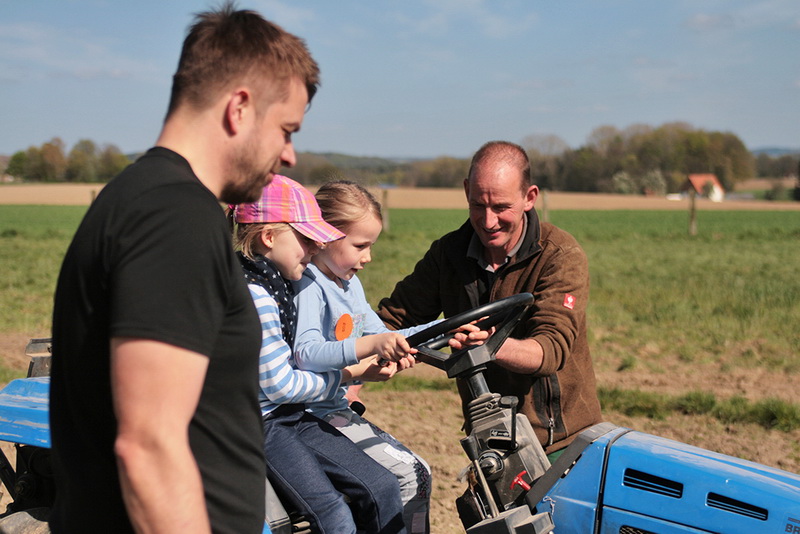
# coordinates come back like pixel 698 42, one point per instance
pixel 411 471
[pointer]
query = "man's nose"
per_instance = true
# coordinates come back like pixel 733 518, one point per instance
pixel 489 219
pixel 288 156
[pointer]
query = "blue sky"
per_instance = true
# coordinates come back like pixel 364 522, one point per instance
pixel 419 78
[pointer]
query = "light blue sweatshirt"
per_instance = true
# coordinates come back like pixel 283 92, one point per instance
pixel 321 305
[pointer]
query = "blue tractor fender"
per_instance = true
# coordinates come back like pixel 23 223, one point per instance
pixel 24 411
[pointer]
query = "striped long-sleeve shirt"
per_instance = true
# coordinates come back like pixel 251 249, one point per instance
pixel 281 382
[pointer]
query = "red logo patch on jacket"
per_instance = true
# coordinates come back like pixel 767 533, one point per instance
pixel 569 301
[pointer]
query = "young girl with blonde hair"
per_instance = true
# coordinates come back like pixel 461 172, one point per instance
pixel 336 326
pixel 309 463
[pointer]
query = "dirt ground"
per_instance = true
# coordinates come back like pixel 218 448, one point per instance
pixel 429 422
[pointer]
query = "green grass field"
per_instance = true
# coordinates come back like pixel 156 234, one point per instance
pixel 654 284
pixel 727 298
pixel 651 282
pixel 729 294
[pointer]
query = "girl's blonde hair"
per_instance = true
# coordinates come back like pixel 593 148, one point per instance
pixel 344 202
pixel 247 236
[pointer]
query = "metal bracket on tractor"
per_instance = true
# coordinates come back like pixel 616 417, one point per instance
pixel 505 454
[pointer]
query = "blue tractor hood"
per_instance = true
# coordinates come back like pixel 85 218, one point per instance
pixel 628 481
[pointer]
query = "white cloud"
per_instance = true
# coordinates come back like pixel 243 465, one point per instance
pixel 43 52
pixel 708 22
pixel 445 16
pixel 771 13
pixel 288 15
pixel 651 62
pixel 542 84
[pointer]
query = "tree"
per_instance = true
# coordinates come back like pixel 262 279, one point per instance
pixel 34 165
pixel 82 162
pixel 583 169
pixel 622 183
pixel 730 160
pixel 324 173
pixel 53 163
pixel 110 162
pixel 306 163
pixel 776 167
pixel 604 139
pixel 545 153
pixel 653 183
pixel 796 193
pixel 545 144
pixel 17 165
pixel 440 172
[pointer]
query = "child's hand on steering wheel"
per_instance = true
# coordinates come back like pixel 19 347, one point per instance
pixel 390 346
pixel 373 369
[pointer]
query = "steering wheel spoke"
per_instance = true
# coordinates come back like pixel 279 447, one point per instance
pixel 504 314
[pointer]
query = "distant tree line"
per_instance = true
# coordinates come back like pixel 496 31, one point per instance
pixel 85 162
pixel 639 159
pixel 782 166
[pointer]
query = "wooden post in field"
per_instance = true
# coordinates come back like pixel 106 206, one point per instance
pixel 385 208
pixel 692 211
pixel 545 207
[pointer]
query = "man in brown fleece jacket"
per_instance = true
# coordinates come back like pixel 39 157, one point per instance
pixel 504 250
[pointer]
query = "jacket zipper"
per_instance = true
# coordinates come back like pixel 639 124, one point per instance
pixel 551 423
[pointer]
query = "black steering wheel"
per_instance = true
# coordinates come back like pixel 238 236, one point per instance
pixel 505 314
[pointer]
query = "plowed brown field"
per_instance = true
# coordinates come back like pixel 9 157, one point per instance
pixel 82 194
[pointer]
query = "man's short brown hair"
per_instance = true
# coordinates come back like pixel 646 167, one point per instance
pixel 505 151
pixel 229 47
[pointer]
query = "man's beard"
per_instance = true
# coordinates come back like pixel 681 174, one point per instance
pixel 247 178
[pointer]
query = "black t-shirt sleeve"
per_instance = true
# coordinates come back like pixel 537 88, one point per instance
pixel 171 269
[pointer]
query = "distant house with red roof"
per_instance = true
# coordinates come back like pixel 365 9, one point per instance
pixel 705 185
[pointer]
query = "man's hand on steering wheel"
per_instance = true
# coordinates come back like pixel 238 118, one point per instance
pixel 497 319
pixel 469 335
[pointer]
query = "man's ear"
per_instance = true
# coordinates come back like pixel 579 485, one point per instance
pixel 530 197
pixel 240 104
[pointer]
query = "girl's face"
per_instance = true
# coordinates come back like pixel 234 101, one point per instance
pixel 290 250
pixel 342 259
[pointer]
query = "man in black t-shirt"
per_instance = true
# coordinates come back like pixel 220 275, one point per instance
pixel 154 396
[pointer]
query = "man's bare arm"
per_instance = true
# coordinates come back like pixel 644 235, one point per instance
pixel 523 356
pixel 156 388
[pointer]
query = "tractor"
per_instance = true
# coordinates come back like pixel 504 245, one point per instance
pixel 609 480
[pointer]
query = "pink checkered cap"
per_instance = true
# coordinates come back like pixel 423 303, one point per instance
pixel 286 201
